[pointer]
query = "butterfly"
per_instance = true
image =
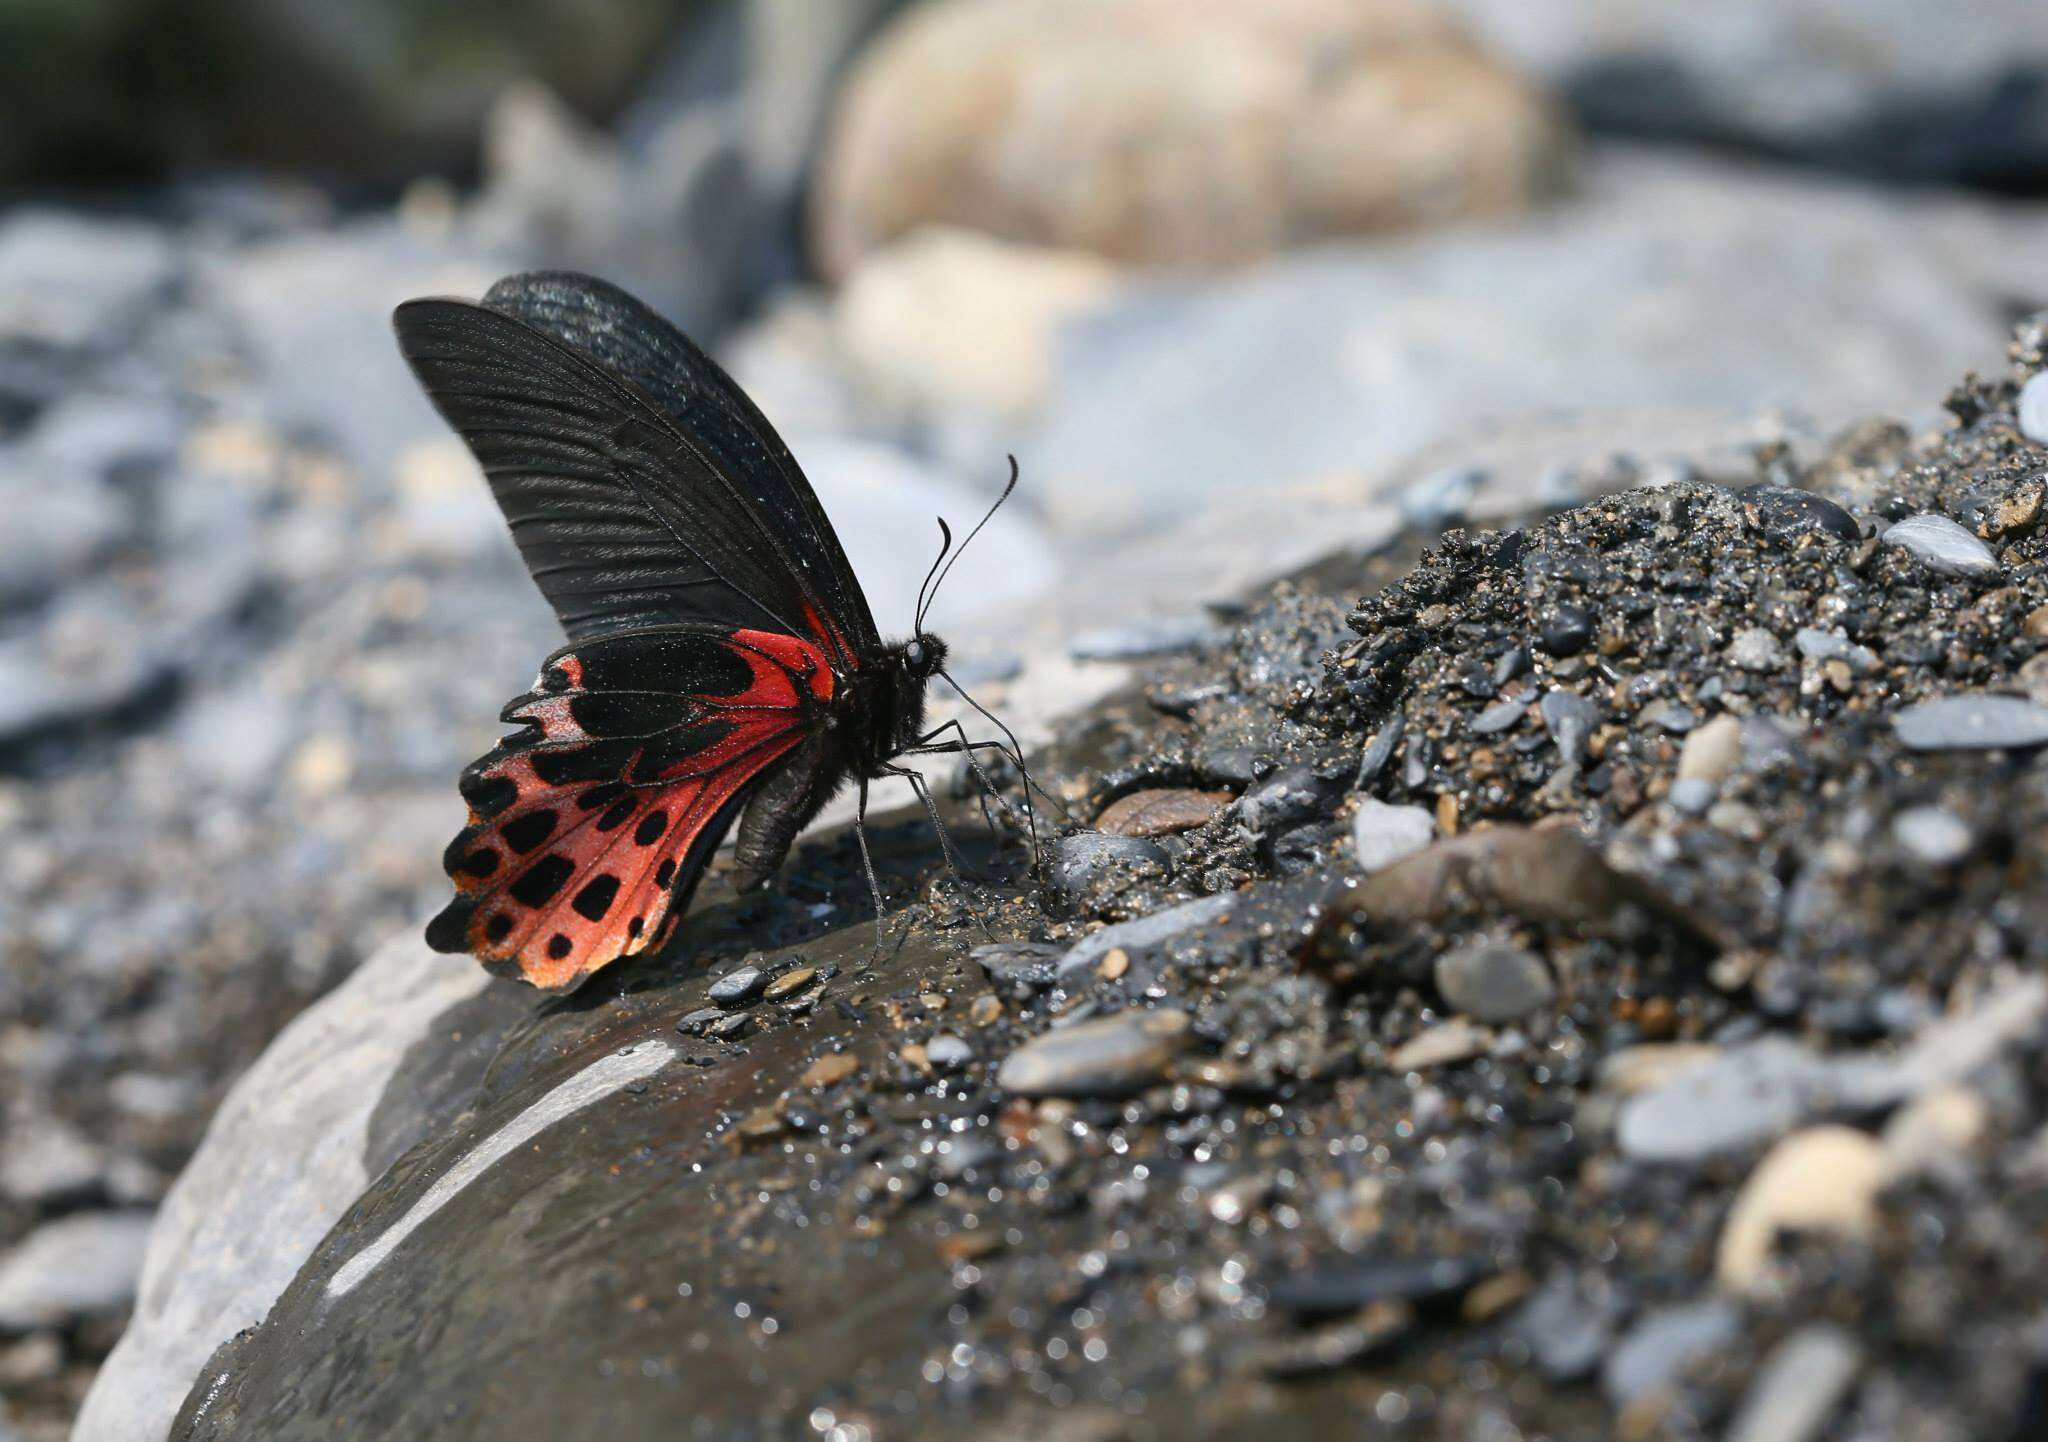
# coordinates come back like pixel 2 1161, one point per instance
pixel 722 663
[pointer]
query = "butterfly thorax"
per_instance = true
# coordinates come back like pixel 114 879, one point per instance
pixel 891 699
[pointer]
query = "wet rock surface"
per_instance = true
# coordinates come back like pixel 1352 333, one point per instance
pixel 1593 1113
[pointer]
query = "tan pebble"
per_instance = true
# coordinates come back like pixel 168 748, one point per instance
pixel 321 767
pixel 790 983
pixel 1824 1179
pixel 1451 1041
pixel 915 1055
pixel 1933 1129
pixel 760 1122
pixel 1447 814
pixel 1115 962
pixel 1711 752
pixel 985 1011
pixel 1646 1067
pixel 827 1070
pixel 1495 1295
pixel 931 1001
pixel 1160 812
pixel 2036 623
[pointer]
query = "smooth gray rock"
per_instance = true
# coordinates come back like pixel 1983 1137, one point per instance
pixel 2033 409
pixel 1502 715
pixel 1082 860
pixel 1138 639
pixel 79 1266
pixel 1493 983
pixel 1799 1385
pixel 1932 835
pixel 1692 795
pixel 1571 719
pixel 1381 834
pixel 282 1160
pixel 738 987
pixel 73 282
pixel 1972 723
pixel 1110 1056
pixel 1661 1343
pixel 1944 547
pixel 1146 931
pixel 1818 645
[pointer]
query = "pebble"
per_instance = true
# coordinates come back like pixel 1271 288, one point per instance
pixel 1663 1343
pixel 1160 812
pixel 1491 982
pixel 829 1069
pixel 1672 717
pixel 1747 1095
pixel 1692 795
pixel 1755 649
pixel 1018 969
pixel 1712 752
pixel 1146 932
pixel 1340 1287
pixel 1943 547
pixel 1142 639
pixel 1817 645
pixel 1500 716
pixel 1086 858
pixel 1114 964
pixel 1382 834
pixel 1288 797
pixel 1823 1179
pixel 1932 836
pixel 737 988
pixel 1568 1325
pixel 1784 512
pixel 1564 630
pixel 790 983
pixel 1934 1131
pixel 1440 498
pixel 985 1011
pixel 947 1052
pixel 1972 723
pixel 1111 1056
pixel 1455 1040
pixel 2033 409
pixel 1799 1385
pixel 1572 720
pixel 79 1266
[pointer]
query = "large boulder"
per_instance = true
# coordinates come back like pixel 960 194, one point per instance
pixel 1156 132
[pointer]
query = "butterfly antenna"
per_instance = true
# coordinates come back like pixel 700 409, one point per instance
pixel 945 545
pixel 1009 487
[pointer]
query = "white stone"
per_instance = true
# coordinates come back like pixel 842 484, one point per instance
pixel 1824 1179
pixel 1382 834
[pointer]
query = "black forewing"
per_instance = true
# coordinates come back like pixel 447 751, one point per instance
pixel 636 500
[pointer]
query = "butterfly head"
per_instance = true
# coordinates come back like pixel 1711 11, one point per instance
pixel 922 656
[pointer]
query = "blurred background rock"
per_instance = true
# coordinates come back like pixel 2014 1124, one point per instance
pixel 1240 281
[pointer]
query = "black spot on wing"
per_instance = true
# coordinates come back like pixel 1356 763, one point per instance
pixel 486 795
pixel 665 873
pixel 595 899
pixel 481 862
pixel 676 661
pixel 542 881
pixel 629 713
pixel 558 946
pixel 598 796
pixel 599 761
pixel 671 749
pixel 651 828
pixel 619 815
pixel 498 927
pixel 524 833
pixel 449 930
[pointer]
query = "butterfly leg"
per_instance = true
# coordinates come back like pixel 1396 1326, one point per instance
pixel 867 861
pixel 946 848
pixel 965 748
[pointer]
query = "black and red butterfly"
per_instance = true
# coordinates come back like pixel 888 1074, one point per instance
pixel 722 661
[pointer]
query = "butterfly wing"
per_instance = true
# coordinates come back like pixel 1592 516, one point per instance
pixel 590 827
pixel 641 485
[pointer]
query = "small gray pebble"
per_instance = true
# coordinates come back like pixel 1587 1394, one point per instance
pixel 1500 716
pixel 2033 409
pixel 1932 835
pixel 1692 795
pixel 1972 723
pixel 1383 834
pixel 947 1052
pixel 1571 719
pixel 1756 649
pixel 1944 547
pixel 1491 982
pixel 737 988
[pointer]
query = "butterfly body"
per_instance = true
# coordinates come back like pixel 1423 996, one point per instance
pixel 722 664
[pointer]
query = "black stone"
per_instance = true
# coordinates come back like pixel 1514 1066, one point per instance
pixel 1564 630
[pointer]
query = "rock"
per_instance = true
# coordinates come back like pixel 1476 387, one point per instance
pixel 1287 798
pixel 1018 969
pixel 1437 500
pixel 1133 133
pixel 1564 630
pixel 88 659
pixel 1088 859
pixel 1146 932
pixel 1335 1290
pixel 77 518
pixel 738 987
pixel 1109 1057
pixel 1692 795
pixel 282 1159
pixel 1571 720
pixel 1712 752
pixel 1745 1096
pixel 1382 835
pixel 1160 812
pixel 74 282
pixel 786 986
pixel 1451 1041
pixel 946 318
pixel 1134 436
pixel 1670 716
pixel 1818 645
pixel 1824 1179
pixel 1142 639
pixel 43 1160
pixel 947 1052
pixel 76 1268
pixel 1799 1385
pixel 1971 723
pixel 1788 514
pixel 1932 836
pixel 1756 649
pixel 1502 715
pixel 1881 89
pixel 1944 547
pixel 2033 409
pixel 1568 1325
pixel 1493 983
pixel 1934 1131
pixel 1663 1343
